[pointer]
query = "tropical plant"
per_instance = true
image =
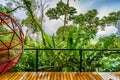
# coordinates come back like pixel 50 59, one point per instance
pixel 78 35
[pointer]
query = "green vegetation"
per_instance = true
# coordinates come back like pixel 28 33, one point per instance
pixel 77 35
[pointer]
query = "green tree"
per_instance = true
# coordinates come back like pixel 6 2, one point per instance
pixel 62 9
pixel 88 25
pixel 68 29
pixel 2 9
pixel 112 18
pixel 34 20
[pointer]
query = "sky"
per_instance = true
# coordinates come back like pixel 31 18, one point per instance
pixel 104 7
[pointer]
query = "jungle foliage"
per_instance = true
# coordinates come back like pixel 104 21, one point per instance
pixel 75 36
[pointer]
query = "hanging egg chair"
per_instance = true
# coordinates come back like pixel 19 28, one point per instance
pixel 11 42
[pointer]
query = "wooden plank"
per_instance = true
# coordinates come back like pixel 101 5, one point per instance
pixel 58 76
pixel 8 76
pixel 29 76
pixel 61 76
pixel 48 77
pixel 34 76
pixel 108 76
pixel 81 77
pixel 52 76
pixel 117 74
pixel 91 77
pixel 23 76
pixel 64 76
pixel 46 74
pixel 72 76
pixel 97 76
pixel 84 76
pixel 77 76
pixel 16 74
pixel 42 76
pixel 2 76
pixel 20 74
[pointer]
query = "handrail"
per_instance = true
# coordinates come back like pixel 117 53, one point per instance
pixel 84 49
pixel 80 53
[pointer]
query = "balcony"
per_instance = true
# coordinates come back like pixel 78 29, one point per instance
pixel 55 71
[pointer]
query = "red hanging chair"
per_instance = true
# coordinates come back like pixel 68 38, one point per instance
pixel 11 42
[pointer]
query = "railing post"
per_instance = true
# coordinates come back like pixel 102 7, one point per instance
pixel 36 60
pixel 80 53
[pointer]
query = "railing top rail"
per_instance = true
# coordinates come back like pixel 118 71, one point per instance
pixel 84 49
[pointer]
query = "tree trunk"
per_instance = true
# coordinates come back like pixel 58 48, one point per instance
pixel 65 20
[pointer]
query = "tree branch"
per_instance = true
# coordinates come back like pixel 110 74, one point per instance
pixel 9 11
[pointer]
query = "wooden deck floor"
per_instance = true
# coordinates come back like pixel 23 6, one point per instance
pixel 61 76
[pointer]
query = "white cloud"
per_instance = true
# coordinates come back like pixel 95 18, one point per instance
pixel 20 14
pixel 105 10
pixel 2 2
pixel 108 31
pixel 51 26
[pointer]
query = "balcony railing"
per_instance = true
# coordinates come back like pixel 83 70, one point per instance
pixel 80 51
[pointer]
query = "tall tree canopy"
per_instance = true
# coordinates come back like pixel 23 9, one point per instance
pixel 88 24
pixel 62 9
